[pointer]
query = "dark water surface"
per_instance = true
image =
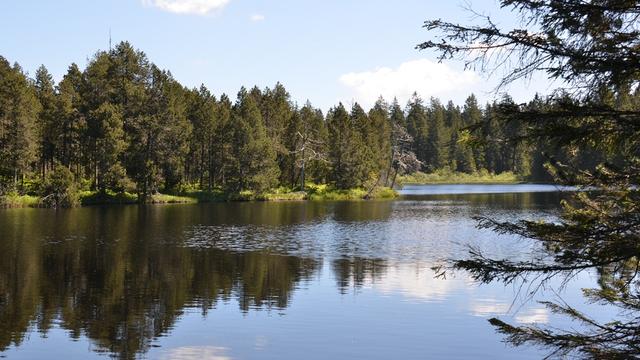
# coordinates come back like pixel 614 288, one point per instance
pixel 279 280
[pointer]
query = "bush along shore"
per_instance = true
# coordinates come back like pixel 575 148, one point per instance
pixel 448 177
pixel 61 191
pixel 312 192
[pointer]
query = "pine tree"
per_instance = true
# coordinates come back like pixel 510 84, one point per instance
pixel 417 127
pixel 436 147
pixel 255 159
pixel 364 157
pixel 346 148
pixel 128 77
pixel 396 114
pixel 222 157
pixel 460 153
pixel 202 116
pixel 378 137
pixel 158 138
pixel 19 108
pixel 293 141
pixel 277 111
pixel 48 126
pixel 72 122
pixel 492 133
pixel 471 117
pixel 106 131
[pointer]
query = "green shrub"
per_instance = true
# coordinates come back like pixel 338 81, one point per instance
pixel 14 200
pixel 445 176
pixel 59 189
pixel 107 198
pixel 170 199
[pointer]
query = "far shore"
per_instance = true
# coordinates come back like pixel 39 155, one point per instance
pixel 314 193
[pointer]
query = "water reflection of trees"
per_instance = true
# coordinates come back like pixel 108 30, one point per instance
pixel 355 272
pixel 125 293
pixel 122 276
pixel 532 200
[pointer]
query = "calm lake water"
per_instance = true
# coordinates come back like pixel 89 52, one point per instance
pixel 279 280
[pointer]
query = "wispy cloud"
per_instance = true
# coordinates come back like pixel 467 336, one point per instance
pixel 257 17
pixel 427 78
pixel 193 7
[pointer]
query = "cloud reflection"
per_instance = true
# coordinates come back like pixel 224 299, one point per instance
pixel 417 282
pixel 533 316
pixel 197 353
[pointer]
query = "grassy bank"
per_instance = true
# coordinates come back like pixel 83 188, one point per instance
pixel 88 198
pixel 17 201
pixel 313 192
pixel 323 192
pixel 447 177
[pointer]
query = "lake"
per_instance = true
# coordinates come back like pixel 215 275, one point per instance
pixel 267 280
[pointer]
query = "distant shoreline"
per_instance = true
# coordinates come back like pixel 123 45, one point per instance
pixel 316 193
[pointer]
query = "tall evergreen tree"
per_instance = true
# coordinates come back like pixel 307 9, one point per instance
pixel 203 118
pixel 106 131
pixel 48 126
pixel 158 144
pixel 277 112
pixel 417 127
pixel 19 108
pixel 437 144
pixel 346 149
pixel 472 116
pixel 71 121
pixel 378 137
pixel 396 114
pixel 493 135
pixel 307 144
pixel 222 157
pixel 255 158
pixel 460 153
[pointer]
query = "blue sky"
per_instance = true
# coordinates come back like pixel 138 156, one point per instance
pixel 325 51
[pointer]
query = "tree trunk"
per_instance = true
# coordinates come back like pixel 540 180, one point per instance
pixel 302 171
pixel 368 196
pixel 393 183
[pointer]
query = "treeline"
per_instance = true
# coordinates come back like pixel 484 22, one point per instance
pixel 123 124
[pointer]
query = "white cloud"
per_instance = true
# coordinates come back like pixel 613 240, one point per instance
pixel 257 17
pixel 427 78
pixel 195 7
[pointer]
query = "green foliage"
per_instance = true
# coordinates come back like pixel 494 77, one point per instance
pixel 19 109
pixel 13 200
pixel 170 199
pixel 284 194
pixel 254 154
pixel 437 148
pixel 446 176
pixel 105 127
pixel 59 189
pixel 327 193
pixel 350 157
pixel 108 197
